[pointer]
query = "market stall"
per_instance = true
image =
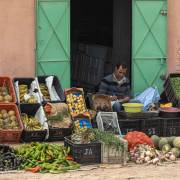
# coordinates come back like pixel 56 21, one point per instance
pixel 34 112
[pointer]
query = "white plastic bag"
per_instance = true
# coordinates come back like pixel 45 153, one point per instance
pixel 149 96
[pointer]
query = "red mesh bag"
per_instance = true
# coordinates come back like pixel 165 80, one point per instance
pixel 134 138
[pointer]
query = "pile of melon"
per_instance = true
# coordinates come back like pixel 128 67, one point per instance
pixel 167 144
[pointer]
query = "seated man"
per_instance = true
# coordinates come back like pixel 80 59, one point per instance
pixel 117 86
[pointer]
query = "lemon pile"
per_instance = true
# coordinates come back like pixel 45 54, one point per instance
pixel 75 103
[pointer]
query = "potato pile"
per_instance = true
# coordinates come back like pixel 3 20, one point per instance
pixel 8 119
pixel 75 103
pixel 23 89
pixel 31 123
pixel 44 91
pixel 5 95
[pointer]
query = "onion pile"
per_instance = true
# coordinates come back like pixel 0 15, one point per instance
pixel 145 154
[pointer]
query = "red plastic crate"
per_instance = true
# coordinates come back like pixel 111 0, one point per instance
pixel 7 80
pixel 11 136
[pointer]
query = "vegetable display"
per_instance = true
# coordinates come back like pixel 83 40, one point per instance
pixel 135 138
pixel 176 85
pixel 8 159
pixel 149 155
pixel 58 115
pixel 5 94
pixel 108 138
pixel 8 119
pixel 44 157
pixel 83 133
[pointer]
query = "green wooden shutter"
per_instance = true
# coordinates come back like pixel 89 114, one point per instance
pixel 53 39
pixel 149 36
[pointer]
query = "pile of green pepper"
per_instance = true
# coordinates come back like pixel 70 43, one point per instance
pixel 48 157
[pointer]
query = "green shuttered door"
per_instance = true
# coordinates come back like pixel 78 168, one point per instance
pixel 149 36
pixel 53 39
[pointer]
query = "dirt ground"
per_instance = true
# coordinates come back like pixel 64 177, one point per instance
pixel 106 172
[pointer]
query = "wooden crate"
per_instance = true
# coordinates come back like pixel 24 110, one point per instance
pixel 111 155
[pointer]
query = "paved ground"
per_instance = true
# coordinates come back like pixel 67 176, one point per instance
pixel 106 172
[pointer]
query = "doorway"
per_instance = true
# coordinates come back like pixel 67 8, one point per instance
pixel 100 38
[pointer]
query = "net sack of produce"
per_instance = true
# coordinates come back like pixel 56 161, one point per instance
pixel 58 115
pixel 134 138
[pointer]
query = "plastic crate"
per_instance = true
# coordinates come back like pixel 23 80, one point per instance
pixel 169 90
pixel 57 86
pixel 58 134
pixel 84 153
pixel 129 125
pixel 29 136
pixel 7 81
pixel 27 81
pixel 171 127
pixel 152 126
pixel 108 121
pixel 111 155
pixel 11 136
pixel 141 115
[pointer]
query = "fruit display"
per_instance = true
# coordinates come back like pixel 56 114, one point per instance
pixel 167 144
pixel 8 119
pixel 5 94
pixel 76 103
pixel 162 142
pixel 23 90
pixel 165 105
pixel 44 91
pixel 31 123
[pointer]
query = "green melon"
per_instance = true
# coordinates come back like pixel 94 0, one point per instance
pixel 162 142
pixel 155 140
pixel 176 142
pixel 170 140
pixel 166 148
pixel 176 152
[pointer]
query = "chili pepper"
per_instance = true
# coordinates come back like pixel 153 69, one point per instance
pixel 34 169
pixel 70 158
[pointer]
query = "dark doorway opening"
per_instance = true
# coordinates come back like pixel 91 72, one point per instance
pixel 100 38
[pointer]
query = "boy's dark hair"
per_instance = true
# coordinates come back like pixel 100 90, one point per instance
pixel 124 66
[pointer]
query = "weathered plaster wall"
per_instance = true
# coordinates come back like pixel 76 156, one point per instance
pixel 17 38
pixel 174 35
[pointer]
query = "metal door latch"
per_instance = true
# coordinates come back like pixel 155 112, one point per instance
pixel 163 12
